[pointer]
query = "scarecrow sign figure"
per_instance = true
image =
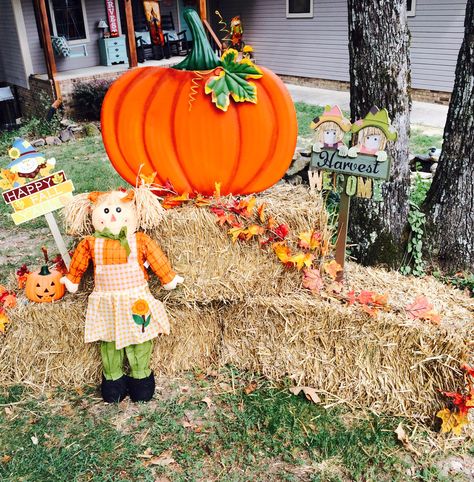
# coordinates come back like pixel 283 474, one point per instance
pixel 357 170
pixel 32 190
pixel 122 313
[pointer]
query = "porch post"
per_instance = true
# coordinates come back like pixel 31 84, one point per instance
pixel 132 47
pixel 48 47
pixel 203 9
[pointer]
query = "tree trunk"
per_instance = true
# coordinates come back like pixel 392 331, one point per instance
pixel 380 75
pixel 449 205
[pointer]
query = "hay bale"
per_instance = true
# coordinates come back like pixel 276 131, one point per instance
pixel 386 364
pixel 217 270
pixel 45 345
pixel 239 305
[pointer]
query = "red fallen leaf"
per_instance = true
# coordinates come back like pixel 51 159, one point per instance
pixel 351 297
pixel 281 231
pixel 365 297
pixel 312 280
pixel 463 402
pixel 422 309
pixel 468 369
pixel 165 190
pixel 60 265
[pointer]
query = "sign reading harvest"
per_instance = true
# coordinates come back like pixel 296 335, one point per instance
pixel 33 191
pixel 358 170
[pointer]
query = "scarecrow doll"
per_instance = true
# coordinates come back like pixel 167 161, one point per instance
pixel 329 130
pixel 372 134
pixel 122 314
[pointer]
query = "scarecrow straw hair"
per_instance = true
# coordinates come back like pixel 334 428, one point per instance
pixel 240 306
pixel 77 214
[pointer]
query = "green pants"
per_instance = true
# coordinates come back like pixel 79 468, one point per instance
pixel 138 357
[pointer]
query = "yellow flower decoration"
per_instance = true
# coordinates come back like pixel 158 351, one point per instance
pixel 140 307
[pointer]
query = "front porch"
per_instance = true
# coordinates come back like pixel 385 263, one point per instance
pixel 62 73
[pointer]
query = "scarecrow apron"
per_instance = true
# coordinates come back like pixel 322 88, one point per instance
pixel 121 308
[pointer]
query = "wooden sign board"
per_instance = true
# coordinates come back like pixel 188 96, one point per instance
pixel 32 190
pixel 362 165
pixel 39 197
pixel 355 171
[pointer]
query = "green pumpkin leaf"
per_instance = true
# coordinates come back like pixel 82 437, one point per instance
pixel 138 319
pixel 232 80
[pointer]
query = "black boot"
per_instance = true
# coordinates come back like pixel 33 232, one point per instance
pixel 114 391
pixel 141 389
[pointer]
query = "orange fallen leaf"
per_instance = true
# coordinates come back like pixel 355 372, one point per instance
pixel 5 459
pixel 282 251
pixel 332 268
pixel 3 321
pixel 301 259
pixel 452 421
pixel 9 301
pixel 236 233
pixel 217 190
pixel 250 388
pixel 253 230
pixel 261 212
pixel 309 240
pixel 174 201
pixel 148 179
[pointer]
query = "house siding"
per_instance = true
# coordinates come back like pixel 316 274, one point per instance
pixel 12 68
pixel 318 47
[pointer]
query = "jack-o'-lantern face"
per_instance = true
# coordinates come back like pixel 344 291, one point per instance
pixel 43 286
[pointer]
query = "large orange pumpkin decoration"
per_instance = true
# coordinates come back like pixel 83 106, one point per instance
pixel 43 286
pixel 163 120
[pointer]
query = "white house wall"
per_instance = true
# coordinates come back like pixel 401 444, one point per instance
pixel 317 47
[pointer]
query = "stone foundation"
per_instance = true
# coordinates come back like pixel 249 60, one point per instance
pixel 422 95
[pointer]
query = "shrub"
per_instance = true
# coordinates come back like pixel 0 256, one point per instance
pixel 88 98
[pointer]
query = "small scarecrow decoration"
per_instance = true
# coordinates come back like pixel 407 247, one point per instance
pixel 373 132
pixel 237 32
pixel 122 313
pixel 329 130
pixel 27 164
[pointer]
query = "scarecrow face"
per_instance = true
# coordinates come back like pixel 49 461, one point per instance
pixel 373 142
pixel 330 136
pixel 28 165
pixel 114 211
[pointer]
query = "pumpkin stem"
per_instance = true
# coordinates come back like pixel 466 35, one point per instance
pixel 201 57
pixel 44 269
pixel 45 254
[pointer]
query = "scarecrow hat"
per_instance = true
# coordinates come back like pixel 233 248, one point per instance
pixel 332 114
pixel 20 151
pixel 376 118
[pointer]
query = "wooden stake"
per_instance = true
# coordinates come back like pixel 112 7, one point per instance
pixel 342 225
pixel 132 48
pixel 53 226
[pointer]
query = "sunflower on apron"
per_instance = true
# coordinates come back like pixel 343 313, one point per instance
pixel 122 313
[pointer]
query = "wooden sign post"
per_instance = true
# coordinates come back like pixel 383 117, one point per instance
pixel 39 197
pixel 355 171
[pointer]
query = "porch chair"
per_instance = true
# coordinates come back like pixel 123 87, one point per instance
pixel 63 49
pixel 147 51
pixel 177 41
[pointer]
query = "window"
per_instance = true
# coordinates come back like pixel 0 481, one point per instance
pixel 299 8
pixel 411 8
pixel 68 19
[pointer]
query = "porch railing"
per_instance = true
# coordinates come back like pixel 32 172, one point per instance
pixel 213 38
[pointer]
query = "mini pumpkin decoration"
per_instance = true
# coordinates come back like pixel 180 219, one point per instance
pixel 180 123
pixel 43 286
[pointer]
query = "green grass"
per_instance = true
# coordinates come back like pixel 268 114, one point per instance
pixel 421 142
pixel 241 437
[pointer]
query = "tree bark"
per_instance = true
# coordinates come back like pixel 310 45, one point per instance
pixel 449 205
pixel 380 75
